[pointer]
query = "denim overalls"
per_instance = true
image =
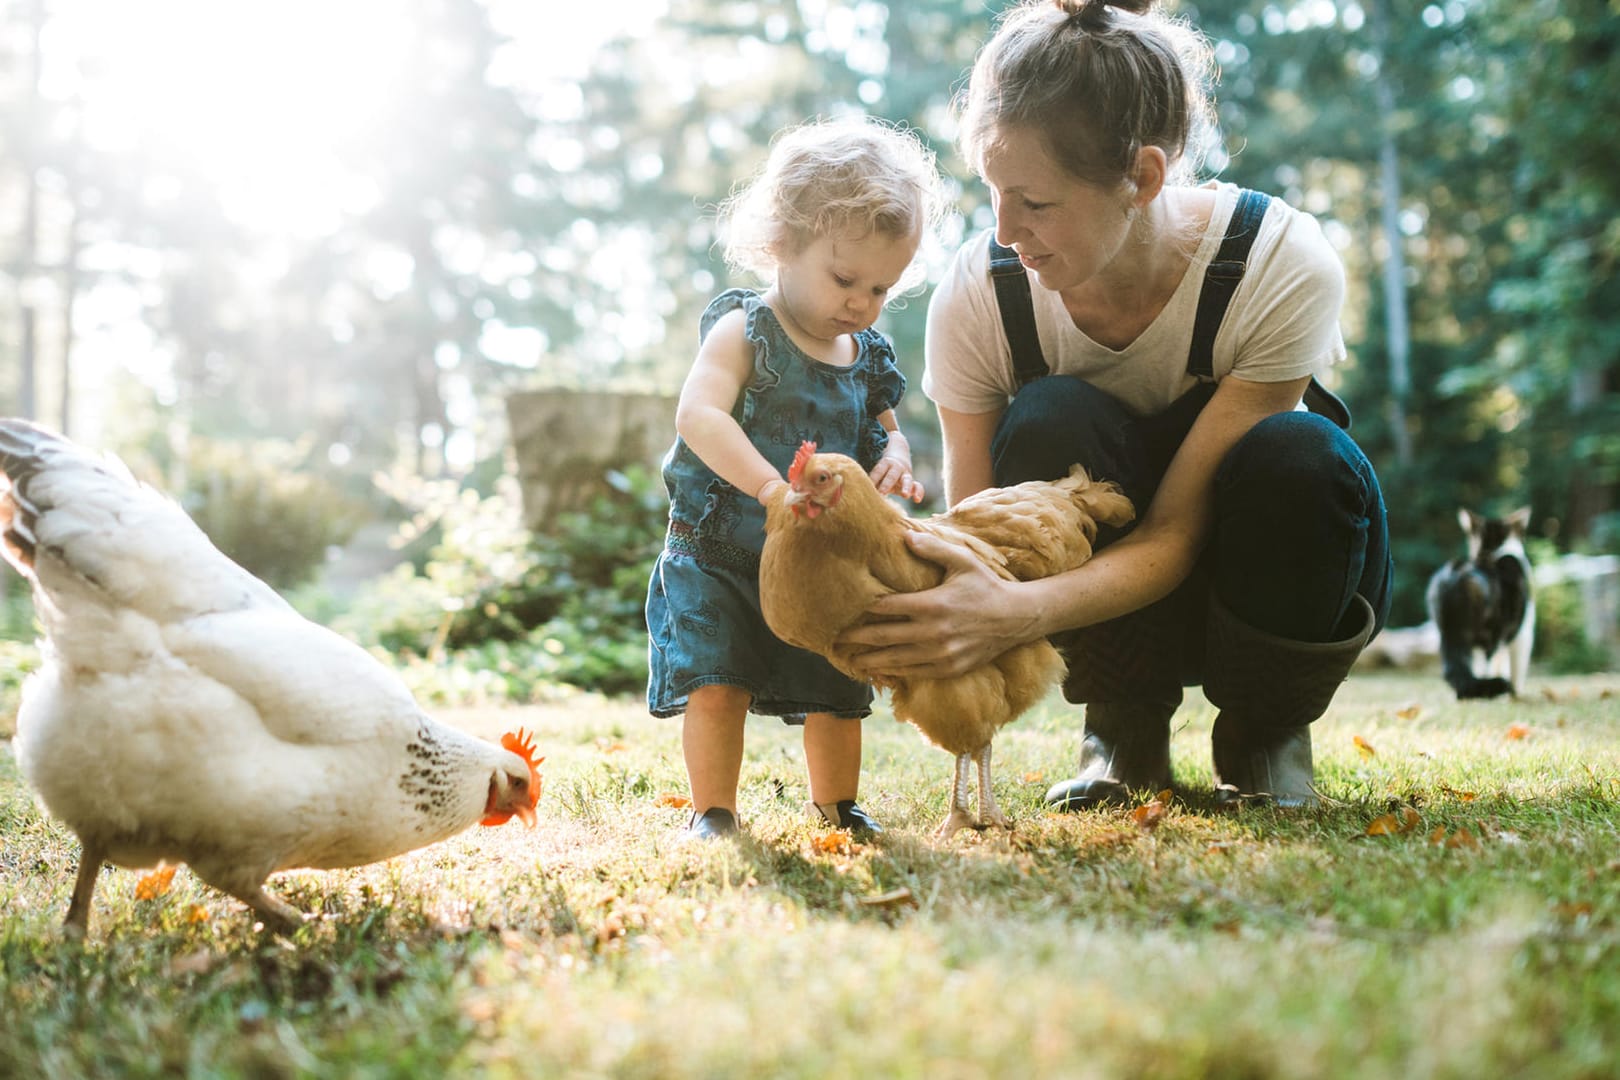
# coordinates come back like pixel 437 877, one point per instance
pixel 704 623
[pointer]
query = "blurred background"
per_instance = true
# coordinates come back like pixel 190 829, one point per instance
pixel 338 272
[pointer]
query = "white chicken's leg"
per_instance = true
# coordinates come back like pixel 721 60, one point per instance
pixel 960 817
pixel 277 915
pixel 84 891
pixel 989 812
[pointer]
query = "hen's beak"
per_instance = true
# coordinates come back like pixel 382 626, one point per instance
pixel 526 815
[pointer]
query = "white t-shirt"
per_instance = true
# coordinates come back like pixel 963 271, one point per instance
pixel 1283 322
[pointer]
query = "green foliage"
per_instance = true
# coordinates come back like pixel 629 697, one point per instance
pixel 267 505
pixel 525 611
pixel 17 660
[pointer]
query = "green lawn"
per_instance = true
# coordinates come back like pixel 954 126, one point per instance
pixel 1483 942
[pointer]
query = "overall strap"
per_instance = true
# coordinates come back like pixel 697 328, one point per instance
pixel 1017 313
pixel 1220 284
pixel 1221 280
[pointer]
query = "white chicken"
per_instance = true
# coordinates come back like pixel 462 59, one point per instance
pixel 184 712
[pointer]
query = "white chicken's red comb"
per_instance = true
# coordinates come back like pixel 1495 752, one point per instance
pixel 806 450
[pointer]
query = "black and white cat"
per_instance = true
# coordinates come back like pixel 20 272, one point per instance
pixel 1483 606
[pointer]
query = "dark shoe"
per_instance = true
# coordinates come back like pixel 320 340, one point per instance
pixel 712 824
pixel 845 814
pixel 1272 768
pixel 1269 689
pixel 1125 751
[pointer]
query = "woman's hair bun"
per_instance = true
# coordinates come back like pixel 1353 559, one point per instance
pixel 1093 14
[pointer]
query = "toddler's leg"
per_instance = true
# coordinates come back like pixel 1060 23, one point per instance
pixel 712 740
pixel 832 755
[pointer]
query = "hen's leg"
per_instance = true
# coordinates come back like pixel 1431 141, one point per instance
pixel 84 890
pixel 277 915
pixel 989 812
pixel 959 817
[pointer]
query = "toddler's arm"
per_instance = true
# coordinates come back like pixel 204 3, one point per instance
pixel 892 473
pixel 703 417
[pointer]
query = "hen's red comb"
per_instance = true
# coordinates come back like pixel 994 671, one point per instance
pixel 796 470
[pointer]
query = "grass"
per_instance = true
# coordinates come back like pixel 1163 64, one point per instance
pixel 1484 941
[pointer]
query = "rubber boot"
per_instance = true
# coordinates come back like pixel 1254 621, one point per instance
pixel 1269 690
pixel 1126 672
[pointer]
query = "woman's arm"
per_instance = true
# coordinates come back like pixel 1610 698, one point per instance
pixel 974 616
pixel 967 451
pixel 703 416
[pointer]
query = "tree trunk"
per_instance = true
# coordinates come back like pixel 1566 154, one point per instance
pixel 1397 327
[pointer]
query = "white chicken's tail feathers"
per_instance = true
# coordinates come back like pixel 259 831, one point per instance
pixel 25 450
pixel 75 522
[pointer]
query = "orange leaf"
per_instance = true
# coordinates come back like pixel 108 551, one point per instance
pixel 1148 815
pixel 1411 712
pixel 1364 746
pixel 155 884
pixel 197 914
pixel 611 746
pixel 1034 777
pixel 1573 911
pixel 1517 731
pixel 1403 820
pixel 836 842
pixel 1464 796
pixel 680 802
pixel 1463 838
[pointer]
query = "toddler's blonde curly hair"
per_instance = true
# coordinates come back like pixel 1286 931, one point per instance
pixel 844 177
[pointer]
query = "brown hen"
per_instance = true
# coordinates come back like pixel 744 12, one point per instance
pixel 833 545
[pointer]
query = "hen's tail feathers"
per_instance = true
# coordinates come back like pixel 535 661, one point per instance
pixel 1101 499
pixel 24 449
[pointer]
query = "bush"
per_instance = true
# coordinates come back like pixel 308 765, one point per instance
pixel 527 611
pixel 267 505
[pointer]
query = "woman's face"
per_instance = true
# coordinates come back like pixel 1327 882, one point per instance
pixel 1065 231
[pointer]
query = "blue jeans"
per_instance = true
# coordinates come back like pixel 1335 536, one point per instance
pixel 1299 521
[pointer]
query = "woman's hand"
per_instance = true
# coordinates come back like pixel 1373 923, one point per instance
pixel 963 623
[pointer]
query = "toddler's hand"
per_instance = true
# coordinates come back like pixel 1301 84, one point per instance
pixel 892 475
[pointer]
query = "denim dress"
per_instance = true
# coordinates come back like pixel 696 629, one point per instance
pixel 704 622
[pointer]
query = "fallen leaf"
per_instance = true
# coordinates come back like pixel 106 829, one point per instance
pixel 1462 838
pixel 680 802
pixel 1517 731
pixel 611 746
pixel 900 897
pixel 1574 910
pixel 1403 820
pixel 1464 796
pixel 1606 694
pixel 1364 746
pixel 1411 712
pixel 836 842
pixel 1034 777
pixel 1546 692
pixel 155 884
pixel 197 914
pixel 1148 815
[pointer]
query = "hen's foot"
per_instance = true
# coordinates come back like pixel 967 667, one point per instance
pixel 958 820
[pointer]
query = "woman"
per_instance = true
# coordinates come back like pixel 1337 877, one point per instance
pixel 1163 335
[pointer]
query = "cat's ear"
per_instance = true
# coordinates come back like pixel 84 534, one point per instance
pixel 1465 518
pixel 1519 520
